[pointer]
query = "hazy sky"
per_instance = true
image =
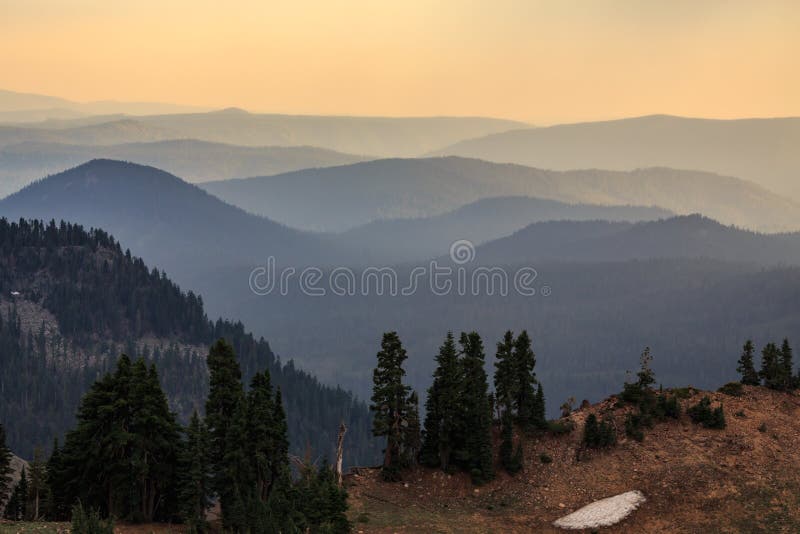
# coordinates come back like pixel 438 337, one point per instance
pixel 538 61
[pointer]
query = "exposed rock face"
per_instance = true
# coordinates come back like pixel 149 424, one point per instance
pixel 17 464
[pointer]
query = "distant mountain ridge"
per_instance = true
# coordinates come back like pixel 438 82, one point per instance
pixel 340 198
pixel 192 160
pixel 175 225
pixel 380 136
pixel 763 151
pixel 402 240
pixel 689 236
pixel 13 101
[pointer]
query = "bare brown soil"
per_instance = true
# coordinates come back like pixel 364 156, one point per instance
pixel 745 478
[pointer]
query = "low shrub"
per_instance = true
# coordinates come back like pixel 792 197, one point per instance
pixel 702 414
pixel 734 389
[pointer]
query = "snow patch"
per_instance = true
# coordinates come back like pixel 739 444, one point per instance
pixel 602 513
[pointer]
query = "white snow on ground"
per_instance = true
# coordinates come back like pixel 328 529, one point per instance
pixel 602 513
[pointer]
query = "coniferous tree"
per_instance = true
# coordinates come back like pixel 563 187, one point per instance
pixel 525 400
pixel 443 408
pixel 539 415
pixel 57 507
pixel 5 466
pixel 225 400
pixel 389 402
pixel 771 370
pixel 506 379
pixel 787 366
pixel 510 458
pixel 746 366
pixel 195 475
pixel 412 439
pixel 477 420
pixel 17 505
pixel 38 490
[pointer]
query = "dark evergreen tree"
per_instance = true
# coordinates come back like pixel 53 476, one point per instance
pixel 787 366
pixel 225 401
pixel 506 379
pixel 510 458
pixel 321 501
pixel 390 403
pixel 443 418
pixel 539 415
pixel 746 366
pixel 38 490
pixel 5 466
pixel 195 475
pixel 57 508
pixel 17 505
pixel 412 438
pixel 771 370
pixel 121 457
pixel 477 453
pixel 525 401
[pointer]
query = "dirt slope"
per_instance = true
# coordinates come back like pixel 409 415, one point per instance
pixel 745 478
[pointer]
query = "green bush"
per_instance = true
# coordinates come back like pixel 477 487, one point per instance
pixel 702 414
pixel 598 435
pixel 734 389
pixel 558 428
pixel 633 427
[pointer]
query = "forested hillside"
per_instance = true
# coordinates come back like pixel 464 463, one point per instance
pixel 72 301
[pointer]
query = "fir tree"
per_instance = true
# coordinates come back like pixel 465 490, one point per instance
pixel 443 408
pixel 746 366
pixel 411 433
pixel 538 414
pixel 16 508
pixel 525 361
pixel 506 380
pixel 787 366
pixel 477 419
pixel 389 402
pixel 5 466
pixel 510 458
pixel 225 399
pixel 38 490
pixel 195 475
pixel 771 370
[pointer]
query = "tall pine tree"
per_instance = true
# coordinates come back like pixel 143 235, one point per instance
pixel 747 367
pixel 477 453
pixel 5 466
pixel 390 403
pixel 787 366
pixel 771 370
pixel 195 475
pixel 525 402
pixel 225 400
pixel 443 408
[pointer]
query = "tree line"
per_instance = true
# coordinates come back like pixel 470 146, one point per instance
pixel 460 409
pixel 105 301
pixel 128 458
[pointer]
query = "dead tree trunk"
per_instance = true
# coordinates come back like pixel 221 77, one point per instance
pixel 340 452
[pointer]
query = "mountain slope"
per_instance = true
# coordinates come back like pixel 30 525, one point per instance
pixel 763 151
pixel 194 161
pixel 118 131
pixel 402 240
pixel 691 236
pixel 175 225
pixel 739 479
pixel 71 301
pixel 339 198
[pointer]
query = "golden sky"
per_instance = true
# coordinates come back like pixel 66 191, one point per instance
pixel 544 62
